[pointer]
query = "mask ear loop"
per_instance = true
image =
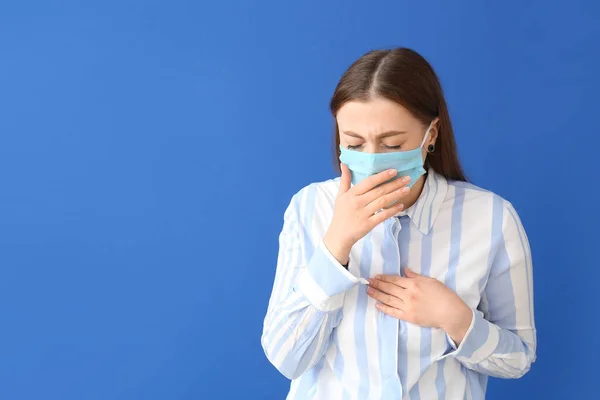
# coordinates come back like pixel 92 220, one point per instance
pixel 426 134
pixel 424 140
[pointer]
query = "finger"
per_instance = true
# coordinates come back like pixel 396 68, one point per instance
pixel 404 283
pixel 384 201
pixel 367 184
pixel 384 189
pixel 386 287
pixel 346 179
pixel 380 216
pixel 410 273
pixel 391 311
pixel 384 298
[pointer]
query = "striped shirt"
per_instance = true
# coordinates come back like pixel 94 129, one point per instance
pixel 324 333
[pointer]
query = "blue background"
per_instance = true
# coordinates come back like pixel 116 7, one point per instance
pixel 148 150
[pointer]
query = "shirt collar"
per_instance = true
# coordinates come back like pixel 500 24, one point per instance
pixel 426 208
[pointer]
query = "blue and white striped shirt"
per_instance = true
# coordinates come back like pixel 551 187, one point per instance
pixel 324 333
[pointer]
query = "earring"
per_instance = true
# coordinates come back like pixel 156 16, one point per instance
pixel 431 148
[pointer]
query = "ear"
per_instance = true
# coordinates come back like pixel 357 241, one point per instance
pixel 433 133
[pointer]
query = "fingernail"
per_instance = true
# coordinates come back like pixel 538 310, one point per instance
pixel 406 179
pixel 392 172
pixel 369 290
pixel 378 277
pixel 405 190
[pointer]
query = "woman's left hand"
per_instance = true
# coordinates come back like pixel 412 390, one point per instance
pixel 422 301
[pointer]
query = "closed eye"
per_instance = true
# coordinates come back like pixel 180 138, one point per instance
pixel 351 147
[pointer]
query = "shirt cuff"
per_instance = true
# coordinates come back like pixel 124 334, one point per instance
pixel 479 342
pixel 324 281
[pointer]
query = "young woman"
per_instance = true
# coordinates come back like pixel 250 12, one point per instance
pixel 398 280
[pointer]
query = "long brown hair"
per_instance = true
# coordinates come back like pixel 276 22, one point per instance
pixel 404 76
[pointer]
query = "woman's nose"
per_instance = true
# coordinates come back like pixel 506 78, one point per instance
pixel 372 148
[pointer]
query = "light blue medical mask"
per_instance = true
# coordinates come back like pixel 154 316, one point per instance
pixel 407 163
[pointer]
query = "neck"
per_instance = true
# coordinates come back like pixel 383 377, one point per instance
pixel 415 192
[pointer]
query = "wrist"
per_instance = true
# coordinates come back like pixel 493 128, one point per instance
pixel 338 250
pixel 458 322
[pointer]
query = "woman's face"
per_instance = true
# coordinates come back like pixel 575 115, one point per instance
pixel 381 126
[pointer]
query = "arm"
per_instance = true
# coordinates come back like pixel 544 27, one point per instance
pixel 306 301
pixel 501 340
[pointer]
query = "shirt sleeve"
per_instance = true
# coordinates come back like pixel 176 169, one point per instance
pixel 501 340
pixel 306 300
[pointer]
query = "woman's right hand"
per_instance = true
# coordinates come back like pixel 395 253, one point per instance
pixel 355 209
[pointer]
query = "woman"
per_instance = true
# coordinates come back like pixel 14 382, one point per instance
pixel 398 279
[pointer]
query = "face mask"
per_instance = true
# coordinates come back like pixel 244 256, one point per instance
pixel 407 163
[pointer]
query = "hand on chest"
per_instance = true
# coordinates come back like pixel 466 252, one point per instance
pixel 458 261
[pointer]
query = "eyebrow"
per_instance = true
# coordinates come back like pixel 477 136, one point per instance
pixel 380 136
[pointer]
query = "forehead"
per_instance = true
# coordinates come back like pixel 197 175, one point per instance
pixel 375 115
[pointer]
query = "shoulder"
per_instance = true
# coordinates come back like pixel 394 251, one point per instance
pixel 473 194
pixel 480 203
pixel 316 197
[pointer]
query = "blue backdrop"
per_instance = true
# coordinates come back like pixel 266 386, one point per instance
pixel 148 150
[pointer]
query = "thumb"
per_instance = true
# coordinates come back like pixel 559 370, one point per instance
pixel 346 179
pixel 410 273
